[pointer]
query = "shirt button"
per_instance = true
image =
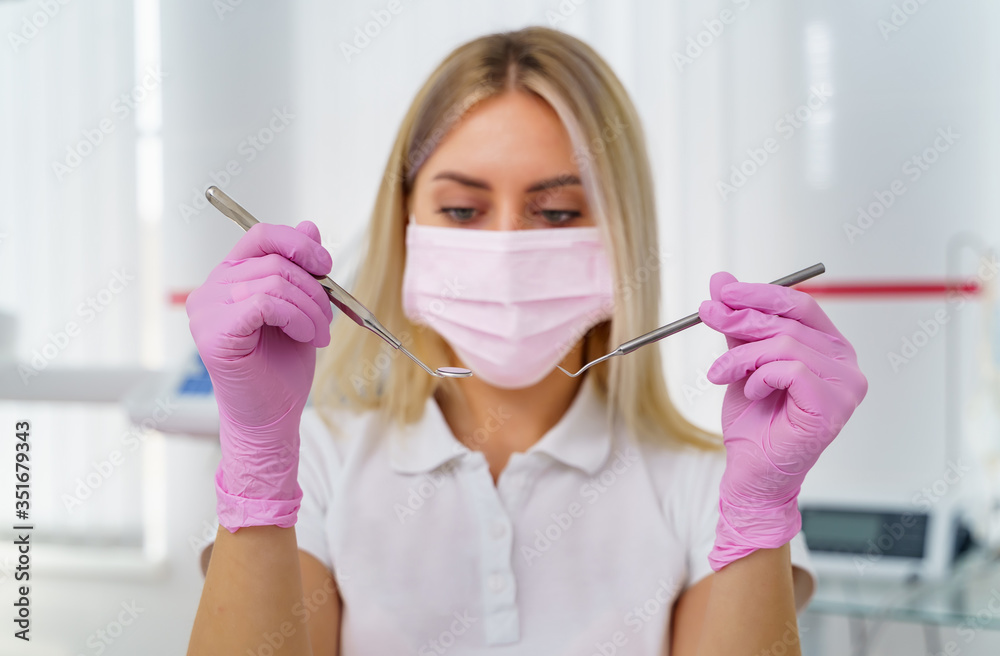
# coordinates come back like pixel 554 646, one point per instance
pixel 499 529
pixel 496 582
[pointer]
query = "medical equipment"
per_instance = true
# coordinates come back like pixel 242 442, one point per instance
pixel 884 540
pixel 691 320
pixel 349 305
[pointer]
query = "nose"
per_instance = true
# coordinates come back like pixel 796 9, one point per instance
pixel 510 216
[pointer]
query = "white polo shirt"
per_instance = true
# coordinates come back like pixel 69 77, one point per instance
pixel 580 548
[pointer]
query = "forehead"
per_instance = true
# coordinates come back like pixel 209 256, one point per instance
pixel 515 136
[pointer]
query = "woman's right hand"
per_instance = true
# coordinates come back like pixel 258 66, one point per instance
pixel 257 322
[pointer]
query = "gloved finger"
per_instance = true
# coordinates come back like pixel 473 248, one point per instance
pixel 719 280
pixel 715 285
pixel 741 361
pixel 752 325
pixel 275 285
pixel 817 406
pixel 775 299
pixel 193 300
pixel 804 387
pixel 300 248
pixel 261 309
pixel 309 229
pixel 262 267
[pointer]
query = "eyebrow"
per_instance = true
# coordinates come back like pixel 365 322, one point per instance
pixel 541 185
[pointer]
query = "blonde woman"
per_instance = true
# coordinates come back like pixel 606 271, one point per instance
pixel 518 511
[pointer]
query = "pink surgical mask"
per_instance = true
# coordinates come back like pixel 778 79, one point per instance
pixel 511 303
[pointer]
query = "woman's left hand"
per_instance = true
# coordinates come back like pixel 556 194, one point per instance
pixel 793 382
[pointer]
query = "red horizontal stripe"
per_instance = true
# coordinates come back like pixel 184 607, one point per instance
pixel 893 289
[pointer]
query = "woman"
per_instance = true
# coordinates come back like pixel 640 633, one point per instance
pixel 519 511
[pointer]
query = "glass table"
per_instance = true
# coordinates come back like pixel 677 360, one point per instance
pixel 969 599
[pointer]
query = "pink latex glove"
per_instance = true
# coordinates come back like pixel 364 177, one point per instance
pixel 257 321
pixel 793 382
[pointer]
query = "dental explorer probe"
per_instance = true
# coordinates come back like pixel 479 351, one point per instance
pixel 691 320
pixel 349 305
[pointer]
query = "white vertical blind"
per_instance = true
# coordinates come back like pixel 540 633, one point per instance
pixel 72 259
pixel 69 230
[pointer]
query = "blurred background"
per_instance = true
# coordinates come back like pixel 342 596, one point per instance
pixel 857 133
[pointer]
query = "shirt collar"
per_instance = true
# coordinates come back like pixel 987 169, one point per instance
pixel 581 438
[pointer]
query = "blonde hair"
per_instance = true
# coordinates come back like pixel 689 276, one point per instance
pixel 358 371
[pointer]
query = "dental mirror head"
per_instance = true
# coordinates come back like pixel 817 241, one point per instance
pixel 453 372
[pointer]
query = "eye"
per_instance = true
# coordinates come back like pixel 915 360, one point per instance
pixel 460 214
pixel 559 217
